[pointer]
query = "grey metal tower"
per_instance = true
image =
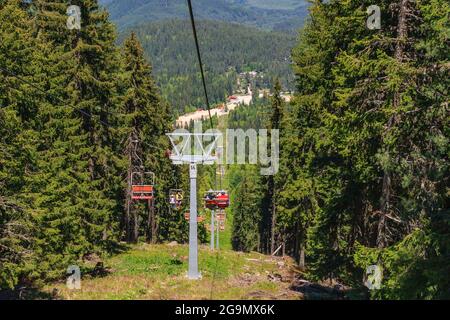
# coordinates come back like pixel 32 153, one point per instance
pixel 184 154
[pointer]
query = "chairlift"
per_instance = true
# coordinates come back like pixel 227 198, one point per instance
pixel 210 199
pixel 142 185
pixel 223 200
pixel 217 199
pixel 176 197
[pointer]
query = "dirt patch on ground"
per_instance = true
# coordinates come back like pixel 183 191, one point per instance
pixel 292 283
pixel 281 277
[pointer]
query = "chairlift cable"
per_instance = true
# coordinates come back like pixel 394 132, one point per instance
pixel 194 30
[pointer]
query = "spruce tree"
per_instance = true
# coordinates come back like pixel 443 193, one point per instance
pixel 268 224
pixel 369 127
pixel 246 206
pixel 75 183
pixel 19 105
pixel 147 120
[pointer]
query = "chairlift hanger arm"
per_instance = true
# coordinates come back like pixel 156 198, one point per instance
pixel 179 156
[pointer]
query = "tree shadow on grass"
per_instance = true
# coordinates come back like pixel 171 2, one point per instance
pixel 28 292
pixel 25 293
pixel 114 247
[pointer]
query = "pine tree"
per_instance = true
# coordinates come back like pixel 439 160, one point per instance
pixel 268 225
pixel 411 235
pixel 147 121
pixel 369 125
pixel 19 105
pixel 304 176
pixel 93 90
pixel 75 182
pixel 246 206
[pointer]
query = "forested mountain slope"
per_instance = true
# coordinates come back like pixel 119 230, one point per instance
pixel 227 50
pixel 287 15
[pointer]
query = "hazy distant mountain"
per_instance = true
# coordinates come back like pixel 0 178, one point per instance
pixel 286 15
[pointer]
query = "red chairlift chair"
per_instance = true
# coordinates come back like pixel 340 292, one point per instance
pixel 210 200
pixel 142 185
pixel 223 200
pixel 217 200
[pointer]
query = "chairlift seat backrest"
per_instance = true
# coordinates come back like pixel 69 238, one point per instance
pixel 142 185
pixel 223 200
pixel 142 189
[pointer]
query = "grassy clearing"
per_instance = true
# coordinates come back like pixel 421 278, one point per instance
pixel 159 272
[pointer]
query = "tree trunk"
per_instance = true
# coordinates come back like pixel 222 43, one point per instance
pixel 151 223
pixel 381 238
pixel 402 35
pixel 273 224
pixel 301 261
pixel 127 220
pixel 135 233
pixel 301 246
pixel 155 226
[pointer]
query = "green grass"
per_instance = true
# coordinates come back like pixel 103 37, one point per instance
pixel 157 261
pixel 159 272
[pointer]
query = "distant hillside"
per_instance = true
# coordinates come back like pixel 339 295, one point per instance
pixel 274 4
pixel 227 50
pixel 280 15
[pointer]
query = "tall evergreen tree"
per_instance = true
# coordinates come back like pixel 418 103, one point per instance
pixel 369 123
pixel 246 206
pixel 268 224
pixel 76 183
pixel 19 105
pixel 147 121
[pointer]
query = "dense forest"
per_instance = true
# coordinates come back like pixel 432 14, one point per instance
pixel 227 50
pixel 364 152
pixel 277 15
pixel 78 115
